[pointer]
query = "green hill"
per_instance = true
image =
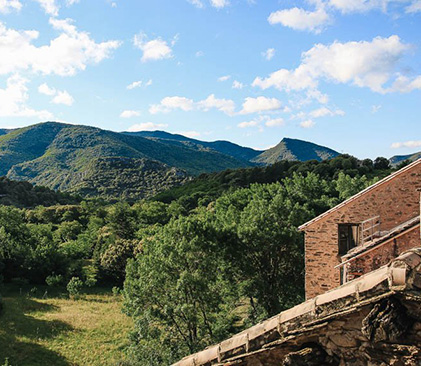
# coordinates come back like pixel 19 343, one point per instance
pixel 224 147
pixel 295 150
pixel 397 159
pixel 74 158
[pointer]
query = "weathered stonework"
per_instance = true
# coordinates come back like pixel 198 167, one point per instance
pixel 374 320
pixel 395 199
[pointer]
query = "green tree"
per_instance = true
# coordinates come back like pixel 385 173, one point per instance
pixel 176 292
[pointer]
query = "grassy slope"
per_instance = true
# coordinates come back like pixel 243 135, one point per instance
pixel 59 331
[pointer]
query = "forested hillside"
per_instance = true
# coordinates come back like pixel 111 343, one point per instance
pixel 221 252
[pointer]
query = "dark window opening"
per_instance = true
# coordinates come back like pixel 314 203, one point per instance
pixel 348 237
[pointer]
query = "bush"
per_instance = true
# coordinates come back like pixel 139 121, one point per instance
pixel 1 305
pixel 54 280
pixel 74 286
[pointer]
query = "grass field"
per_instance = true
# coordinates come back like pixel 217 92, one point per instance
pixel 53 330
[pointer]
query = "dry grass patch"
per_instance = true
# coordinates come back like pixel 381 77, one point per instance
pixel 59 331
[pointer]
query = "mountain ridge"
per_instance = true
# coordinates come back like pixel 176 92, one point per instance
pixel 95 162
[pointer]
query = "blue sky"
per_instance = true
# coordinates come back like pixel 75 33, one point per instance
pixel 341 73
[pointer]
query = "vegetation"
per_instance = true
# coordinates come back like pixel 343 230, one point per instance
pixel 48 328
pixel 197 264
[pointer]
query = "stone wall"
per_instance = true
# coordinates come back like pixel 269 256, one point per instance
pixel 395 200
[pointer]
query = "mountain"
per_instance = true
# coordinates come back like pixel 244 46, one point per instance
pixel 395 160
pixel 292 149
pixel 224 147
pixel 131 165
pixel 92 161
pixel 3 131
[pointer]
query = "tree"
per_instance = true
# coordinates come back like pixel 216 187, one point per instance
pixel 381 163
pixel 176 292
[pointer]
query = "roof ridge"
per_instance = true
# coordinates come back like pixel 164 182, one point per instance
pixel 364 191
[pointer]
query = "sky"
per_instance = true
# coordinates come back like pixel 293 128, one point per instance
pixel 341 73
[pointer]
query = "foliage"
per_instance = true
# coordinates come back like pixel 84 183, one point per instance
pixel 54 280
pixel 74 286
pixel 175 291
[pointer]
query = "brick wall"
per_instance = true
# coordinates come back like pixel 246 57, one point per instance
pixel 383 254
pixel 395 200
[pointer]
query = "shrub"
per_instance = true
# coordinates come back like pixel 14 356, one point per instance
pixel 54 280
pixel 74 286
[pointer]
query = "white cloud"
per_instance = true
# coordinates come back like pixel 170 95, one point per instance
pixel 153 50
pixel 13 100
pixel 138 84
pixel 307 124
pixel 324 111
pixel 224 78
pixel 199 54
pixel 404 84
pixel 276 122
pixel 197 3
pixel 147 126
pixel 60 97
pixel 72 2
pixel 171 103
pixel 237 85
pixel 269 54
pixel 67 54
pixel 260 104
pixel 8 5
pixel 224 105
pixel 364 64
pixel 219 4
pixel 248 124
pixel 63 97
pixel 49 6
pixel 410 144
pixel 129 114
pixel 46 90
pixel 415 7
pixel 375 108
pixel 300 19
pixel 134 85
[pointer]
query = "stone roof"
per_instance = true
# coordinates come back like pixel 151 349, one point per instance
pixel 280 334
pixel 363 192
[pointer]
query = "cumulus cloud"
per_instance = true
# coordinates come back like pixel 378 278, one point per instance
pixel 129 114
pixel 155 49
pixel 237 85
pixel 415 7
pixel 364 64
pixel 324 111
pixel 60 97
pixel 169 104
pixel 8 5
pixel 307 123
pixel 300 19
pixel 46 90
pixel 147 126
pixel 197 3
pixel 276 122
pixel 219 4
pixel 269 54
pixel 224 78
pixel 410 144
pixel 50 6
pixel 13 100
pixel 65 55
pixel 260 104
pixel 224 105
pixel 63 97
pixel 248 124
pixel 138 84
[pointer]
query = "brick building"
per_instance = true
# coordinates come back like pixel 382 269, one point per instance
pixel 364 232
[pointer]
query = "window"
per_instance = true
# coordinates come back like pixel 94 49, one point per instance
pixel 348 237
